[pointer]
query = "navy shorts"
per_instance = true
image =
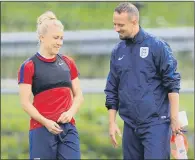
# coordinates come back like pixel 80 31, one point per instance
pixel 45 145
pixel 152 142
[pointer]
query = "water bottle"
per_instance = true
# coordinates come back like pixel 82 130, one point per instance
pixel 180 147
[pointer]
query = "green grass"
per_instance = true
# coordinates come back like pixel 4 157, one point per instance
pixel 91 121
pixel 22 16
pixel 176 14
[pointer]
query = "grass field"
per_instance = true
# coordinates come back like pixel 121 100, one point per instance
pixel 91 123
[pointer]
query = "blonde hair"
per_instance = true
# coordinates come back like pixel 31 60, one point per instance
pixel 44 20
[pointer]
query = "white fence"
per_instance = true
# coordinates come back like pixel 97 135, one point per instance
pixel 93 42
pixel 99 42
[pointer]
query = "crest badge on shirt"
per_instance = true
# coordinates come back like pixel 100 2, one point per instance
pixel 144 52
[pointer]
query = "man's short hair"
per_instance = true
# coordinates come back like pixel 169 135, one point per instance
pixel 129 8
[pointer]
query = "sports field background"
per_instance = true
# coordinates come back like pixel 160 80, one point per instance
pixel 92 119
pixel 91 122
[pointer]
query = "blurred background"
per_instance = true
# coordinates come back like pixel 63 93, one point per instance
pixel 89 38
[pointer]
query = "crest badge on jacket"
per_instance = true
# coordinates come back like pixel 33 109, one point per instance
pixel 144 52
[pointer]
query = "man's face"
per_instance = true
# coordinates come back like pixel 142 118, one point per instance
pixel 53 39
pixel 123 25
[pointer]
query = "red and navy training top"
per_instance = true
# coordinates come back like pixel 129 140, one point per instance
pixel 51 81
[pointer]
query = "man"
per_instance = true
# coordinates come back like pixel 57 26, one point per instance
pixel 144 86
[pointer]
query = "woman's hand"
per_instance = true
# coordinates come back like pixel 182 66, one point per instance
pixel 52 127
pixel 65 117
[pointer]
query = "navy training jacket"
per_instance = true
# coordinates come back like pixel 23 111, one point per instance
pixel 142 73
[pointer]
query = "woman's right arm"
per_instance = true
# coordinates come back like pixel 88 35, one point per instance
pixel 25 93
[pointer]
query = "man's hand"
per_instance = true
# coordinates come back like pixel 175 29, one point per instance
pixel 65 117
pixel 176 126
pixel 113 129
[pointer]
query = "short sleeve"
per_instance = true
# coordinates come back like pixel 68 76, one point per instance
pixel 26 72
pixel 73 68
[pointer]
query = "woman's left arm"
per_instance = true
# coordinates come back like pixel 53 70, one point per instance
pixel 77 96
pixel 77 101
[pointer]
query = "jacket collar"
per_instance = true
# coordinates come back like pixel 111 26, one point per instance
pixel 138 38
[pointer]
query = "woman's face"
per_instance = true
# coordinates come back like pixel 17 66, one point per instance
pixel 52 40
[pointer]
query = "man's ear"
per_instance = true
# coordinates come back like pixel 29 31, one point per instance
pixel 134 22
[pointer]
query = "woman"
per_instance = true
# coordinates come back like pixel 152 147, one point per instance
pixel 53 80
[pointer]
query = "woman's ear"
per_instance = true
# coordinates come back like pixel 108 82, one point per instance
pixel 41 38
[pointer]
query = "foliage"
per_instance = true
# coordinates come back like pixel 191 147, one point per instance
pixel 22 16
pixel 91 122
